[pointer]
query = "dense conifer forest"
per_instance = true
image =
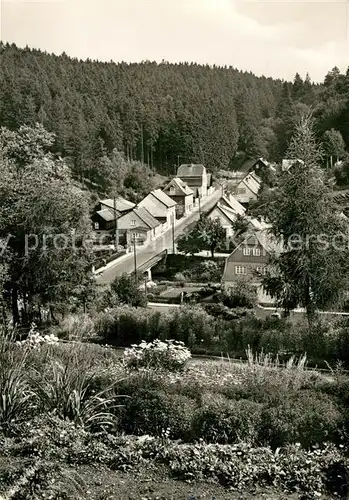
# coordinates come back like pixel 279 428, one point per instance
pixel 165 114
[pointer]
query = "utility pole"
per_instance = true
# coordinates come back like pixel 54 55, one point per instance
pixel 135 255
pixel 199 206
pixel 116 225
pixel 173 234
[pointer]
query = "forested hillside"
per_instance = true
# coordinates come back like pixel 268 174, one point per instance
pixel 164 114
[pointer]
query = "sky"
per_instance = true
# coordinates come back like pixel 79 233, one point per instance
pixel 272 37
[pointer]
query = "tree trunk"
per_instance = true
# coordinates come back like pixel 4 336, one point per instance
pixel 309 306
pixel 39 315
pixel 14 304
pixel 212 251
pixel 53 319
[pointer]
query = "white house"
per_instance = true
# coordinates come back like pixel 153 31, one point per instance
pixel 161 206
pixel 248 188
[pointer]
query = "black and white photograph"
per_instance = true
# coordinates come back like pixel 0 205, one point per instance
pixel 174 249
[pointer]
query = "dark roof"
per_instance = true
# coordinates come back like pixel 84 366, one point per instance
pixel 107 214
pixel 146 217
pixel 191 170
pixel 165 200
pixel 250 164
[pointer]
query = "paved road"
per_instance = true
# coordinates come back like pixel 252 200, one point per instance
pixel 164 241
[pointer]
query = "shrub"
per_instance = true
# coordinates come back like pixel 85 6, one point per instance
pixel 209 270
pixel 243 467
pixel 305 417
pixel 125 325
pixel 158 413
pixel 191 323
pixel 170 355
pixel 180 277
pixel 226 421
pixel 127 289
pixel 243 294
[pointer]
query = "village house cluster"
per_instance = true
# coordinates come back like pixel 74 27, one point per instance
pixel 155 214
pixel 140 224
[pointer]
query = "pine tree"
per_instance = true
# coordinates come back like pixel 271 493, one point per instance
pixel 311 271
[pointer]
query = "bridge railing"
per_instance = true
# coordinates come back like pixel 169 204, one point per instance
pixel 150 262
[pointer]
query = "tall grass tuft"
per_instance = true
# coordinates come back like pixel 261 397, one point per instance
pixel 17 400
pixel 77 327
pixel 67 390
pixel 262 368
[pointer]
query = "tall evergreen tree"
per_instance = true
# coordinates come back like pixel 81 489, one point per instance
pixel 312 269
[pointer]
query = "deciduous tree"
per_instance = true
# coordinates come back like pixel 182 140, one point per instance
pixel 208 234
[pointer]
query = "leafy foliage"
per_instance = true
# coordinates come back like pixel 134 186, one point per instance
pixel 207 234
pixel 243 294
pixel 44 221
pixel 127 290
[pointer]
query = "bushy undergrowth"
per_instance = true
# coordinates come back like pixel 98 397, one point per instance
pixel 312 473
pixel 71 401
pixel 226 330
pixel 220 420
pixel 189 268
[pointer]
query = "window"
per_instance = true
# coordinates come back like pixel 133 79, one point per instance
pixel 246 251
pixel 261 270
pixel 256 251
pixel 136 235
pixel 240 270
pixel 96 225
pixel 172 190
pixel 133 222
pixel 241 190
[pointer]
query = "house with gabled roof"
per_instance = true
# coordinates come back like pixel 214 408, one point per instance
pixel 161 206
pixel 250 260
pixel 226 210
pixel 182 194
pixel 195 175
pixel 247 189
pixel 104 220
pixel 106 212
pixel 138 224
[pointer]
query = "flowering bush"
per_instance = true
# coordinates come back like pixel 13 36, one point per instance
pixel 35 339
pixel 170 355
